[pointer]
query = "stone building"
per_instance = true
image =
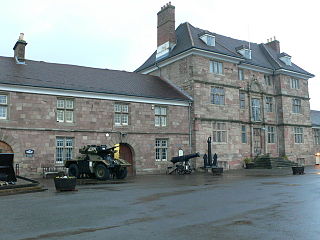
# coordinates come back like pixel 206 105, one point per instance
pixel 48 111
pixel 250 98
pixel 315 118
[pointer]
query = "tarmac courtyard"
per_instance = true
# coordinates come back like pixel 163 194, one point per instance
pixel 240 204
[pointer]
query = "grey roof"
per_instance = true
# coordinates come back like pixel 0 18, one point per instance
pixel 315 118
pixel 71 77
pixel 188 37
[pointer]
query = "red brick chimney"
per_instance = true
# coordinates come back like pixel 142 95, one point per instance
pixel 274 44
pixel 19 49
pixel 166 27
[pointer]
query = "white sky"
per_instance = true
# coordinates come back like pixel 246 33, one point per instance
pixel 122 34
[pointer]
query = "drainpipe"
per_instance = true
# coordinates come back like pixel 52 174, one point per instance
pixel 190 127
pixel 156 64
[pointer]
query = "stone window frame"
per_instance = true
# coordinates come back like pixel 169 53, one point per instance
pixel 217 95
pixel 219 132
pixel 242 100
pixel 271 131
pixel 4 105
pixel 216 67
pixel 121 114
pixel 65 112
pixel 161 149
pixel 294 83
pixel 269 104
pixel 296 105
pixel 243 134
pixel 316 134
pixel 241 74
pixel 298 135
pixel 160 116
pixel 64 149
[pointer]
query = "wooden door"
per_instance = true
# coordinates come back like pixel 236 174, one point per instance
pixel 126 154
pixel 257 143
pixel 5 148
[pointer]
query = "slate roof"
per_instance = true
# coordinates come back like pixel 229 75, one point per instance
pixel 188 37
pixel 71 77
pixel 315 118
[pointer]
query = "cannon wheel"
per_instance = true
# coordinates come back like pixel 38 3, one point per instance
pixel 122 173
pixel 73 170
pixel 102 172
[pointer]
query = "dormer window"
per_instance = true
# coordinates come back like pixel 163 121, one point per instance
pixel 244 51
pixel 209 39
pixel 285 58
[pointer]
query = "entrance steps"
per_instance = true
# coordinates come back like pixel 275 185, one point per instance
pixel 272 162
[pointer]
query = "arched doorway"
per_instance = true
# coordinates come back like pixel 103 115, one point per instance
pixel 126 154
pixel 5 148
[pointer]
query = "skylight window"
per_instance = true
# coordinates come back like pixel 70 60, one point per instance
pixel 286 59
pixel 244 51
pixel 209 39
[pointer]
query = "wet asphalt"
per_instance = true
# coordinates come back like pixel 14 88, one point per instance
pixel 240 204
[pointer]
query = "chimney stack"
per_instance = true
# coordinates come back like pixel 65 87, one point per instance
pixel 274 44
pixel 19 48
pixel 166 37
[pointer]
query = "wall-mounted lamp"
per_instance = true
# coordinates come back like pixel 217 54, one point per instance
pixel 152 106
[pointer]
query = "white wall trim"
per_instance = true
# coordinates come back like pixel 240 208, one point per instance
pixel 80 94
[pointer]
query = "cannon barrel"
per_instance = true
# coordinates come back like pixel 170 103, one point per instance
pixel 184 157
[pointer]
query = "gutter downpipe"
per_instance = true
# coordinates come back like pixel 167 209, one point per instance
pixel 190 127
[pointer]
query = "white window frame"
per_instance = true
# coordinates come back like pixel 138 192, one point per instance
pixel 268 80
pixel 65 110
pixel 3 106
pixel 121 114
pixel 220 132
pixel 64 149
pixel 294 83
pixel 161 149
pixel 216 67
pixel 298 135
pixel 160 116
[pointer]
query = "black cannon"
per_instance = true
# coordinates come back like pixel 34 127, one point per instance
pixel 7 173
pixel 183 166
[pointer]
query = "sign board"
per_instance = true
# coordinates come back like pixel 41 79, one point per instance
pixel 29 152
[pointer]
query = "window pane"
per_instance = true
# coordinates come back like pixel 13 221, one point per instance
pixel 157 120
pixel 3 99
pixel 60 115
pixel 69 116
pixel 157 110
pixel 69 142
pixel 124 119
pixel 163 121
pixel 117 118
pixel 163 111
pixel 125 108
pixel 3 112
pixel 69 104
pixel 220 68
pixel 60 103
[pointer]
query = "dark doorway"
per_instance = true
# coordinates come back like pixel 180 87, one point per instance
pixel 126 154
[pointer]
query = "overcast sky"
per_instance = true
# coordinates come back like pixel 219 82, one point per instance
pixel 122 34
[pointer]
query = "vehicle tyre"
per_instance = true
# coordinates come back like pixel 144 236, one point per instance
pixel 122 173
pixel 73 170
pixel 102 172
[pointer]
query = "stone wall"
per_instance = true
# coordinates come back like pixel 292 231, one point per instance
pixel 32 125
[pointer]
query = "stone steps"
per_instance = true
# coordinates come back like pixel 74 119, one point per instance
pixel 270 162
